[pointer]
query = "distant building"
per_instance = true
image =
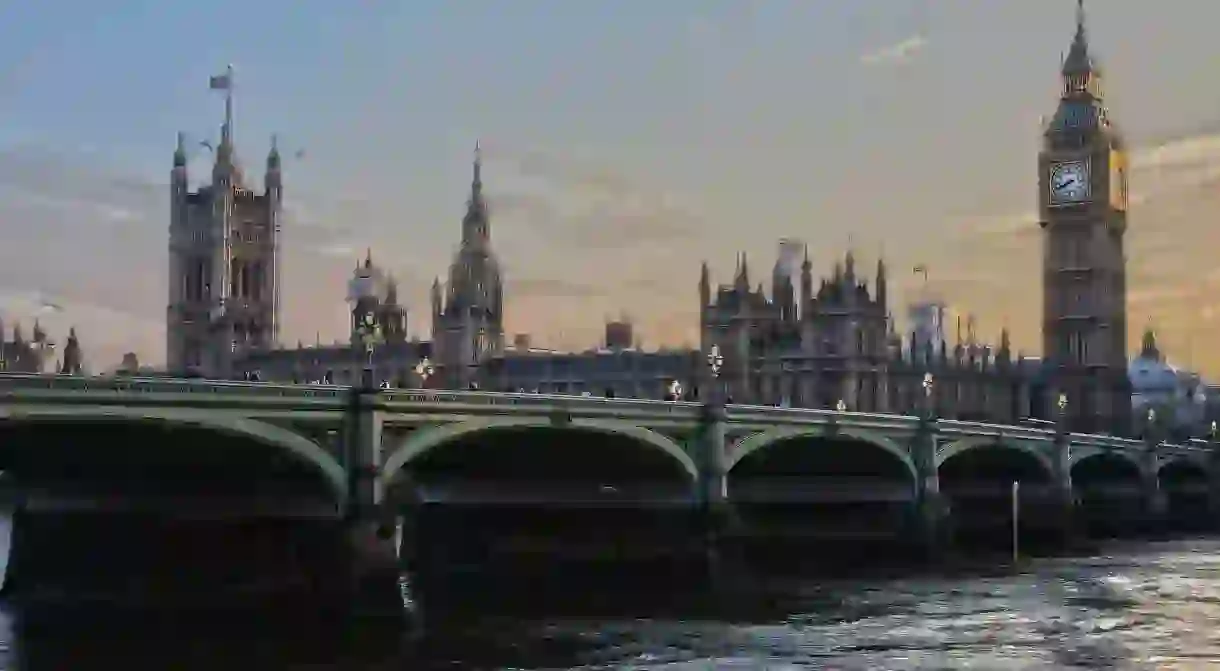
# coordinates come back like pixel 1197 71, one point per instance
pixel 224 262
pixel 35 354
pixel 927 322
pixel 621 373
pixel 1178 398
pixel 620 334
pixel 1082 205
pixel 468 311
pixel 836 343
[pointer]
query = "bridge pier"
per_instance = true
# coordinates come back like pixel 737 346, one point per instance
pixel 1156 502
pixel 713 493
pixel 1213 481
pixel 931 513
pixel 369 555
pixel 1064 495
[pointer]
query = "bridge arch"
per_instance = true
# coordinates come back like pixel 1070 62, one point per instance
pixel 963 445
pixel 425 441
pixel 1102 461
pixel 299 448
pixel 757 442
pixel 1195 465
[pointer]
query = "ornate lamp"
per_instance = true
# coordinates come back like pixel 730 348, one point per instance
pixel 714 361
pixel 368 333
pixel 424 369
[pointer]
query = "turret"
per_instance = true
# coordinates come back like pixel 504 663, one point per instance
pixel 178 180
pixel 437 299
pixel 705 287
pixel 73 361
pixel 882 289
pixel 1004 355
pixel 782 293
pixel 806 281
pixel 273 178
pixel 741 280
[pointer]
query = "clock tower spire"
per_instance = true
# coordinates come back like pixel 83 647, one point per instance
pixel 1082 196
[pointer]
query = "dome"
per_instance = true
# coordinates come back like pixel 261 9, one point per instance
pixel 1149 372
pixel 1153 375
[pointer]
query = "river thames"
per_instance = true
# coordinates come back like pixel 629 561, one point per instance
pixel 1136 606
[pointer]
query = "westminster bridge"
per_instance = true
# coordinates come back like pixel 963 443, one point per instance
pixel 213 450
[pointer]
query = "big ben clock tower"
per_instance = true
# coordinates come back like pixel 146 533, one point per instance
pixel 1082 197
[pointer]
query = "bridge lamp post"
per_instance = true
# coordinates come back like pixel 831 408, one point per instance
pixel 368 333
pixel 715 362
pixel 929 387
pixel 424 369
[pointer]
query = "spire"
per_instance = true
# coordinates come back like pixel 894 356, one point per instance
pixel 881 288
pixel 368 258
pixel 476 182
pixel 1148 348
pixel 180 151
pixel 1079 62
pixel 475 226
pixel 273 156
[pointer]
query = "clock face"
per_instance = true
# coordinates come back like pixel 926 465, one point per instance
pixel 1069 182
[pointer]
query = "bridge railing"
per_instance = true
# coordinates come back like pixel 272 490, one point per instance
pixel 33 382
pixel 49 384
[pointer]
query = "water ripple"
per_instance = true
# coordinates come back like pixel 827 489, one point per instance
pixel 1151 607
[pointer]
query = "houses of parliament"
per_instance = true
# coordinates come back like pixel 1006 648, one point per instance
pixel 832 342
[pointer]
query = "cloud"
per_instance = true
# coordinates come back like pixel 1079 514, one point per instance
pixel 555 288
pixel 105 332
pixel 580 204
pixel 895 54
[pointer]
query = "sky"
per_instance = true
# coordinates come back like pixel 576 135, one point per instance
pixel 624 142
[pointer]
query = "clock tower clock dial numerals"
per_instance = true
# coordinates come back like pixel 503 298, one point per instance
pixel 1069 182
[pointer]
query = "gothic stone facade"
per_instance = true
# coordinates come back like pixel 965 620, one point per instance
pixel 223 264
pixel 836 344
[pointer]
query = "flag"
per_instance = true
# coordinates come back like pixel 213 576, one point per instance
pixel 920 269
pixel 220 82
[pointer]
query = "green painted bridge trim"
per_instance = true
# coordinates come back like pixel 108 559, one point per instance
pixel 425 440
pixel 303 449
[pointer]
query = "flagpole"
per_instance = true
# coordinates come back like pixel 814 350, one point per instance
pixel 229 102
